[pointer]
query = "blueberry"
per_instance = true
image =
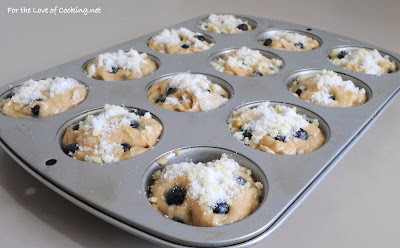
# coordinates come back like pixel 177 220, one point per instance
pixel 222 95
pixel 268 42
pixel 135 124
pixel 71 149
pixel 200 37
pixel 11 94
pixel 114 69
pixel 257 74
pixel 160 99
pixel 299 45
pixel 177 219
pixel 126 147
pixel 208 90
pixel 76 127
pixel 247 133
pixel 139 112
pixel 240 180
pixel 280 137
pixel 185 46
pixel 299 91
pixel 331 96
pixel 243 27
pixel 221 208
pixel 35 110
pixel 389 71
pixel 176 196
pixel 301 134
pixel 342 54
pixel 171 91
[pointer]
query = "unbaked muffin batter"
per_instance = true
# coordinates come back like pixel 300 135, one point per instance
pixel 187 92
pixel 276 129
pixel 215 193
pixel 246 62
pixel 43 98
pixel 290 41
pixel 226 24
pixel 113 135
pixel 181 41
pixel 328 89
pixel 120 66
pixel 362 60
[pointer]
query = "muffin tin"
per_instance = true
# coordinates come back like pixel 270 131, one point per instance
pixel 118 192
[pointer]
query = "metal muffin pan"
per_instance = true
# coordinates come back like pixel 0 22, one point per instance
pixel 118 192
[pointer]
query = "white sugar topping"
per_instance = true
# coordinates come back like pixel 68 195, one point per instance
pixel 368 60
pixel 102 126
pixel 326 81
pixel 198 85
pixel 129 61
pixel 209 183
pixel 174 37
pixel 291 37
pixel 222 22
pixel 278 120
pixel 245 58
pixel 33 90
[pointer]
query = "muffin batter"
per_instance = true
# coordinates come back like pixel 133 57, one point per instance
pixel 215 193
pixel 276 129
pixel 362 60
pixel 328 89
pixel 113 135
pixel 226 24
pixel 246 62
pixel 181 41
pixel 120 66
pixel 43 98
pixel 290 41
pixel 186 92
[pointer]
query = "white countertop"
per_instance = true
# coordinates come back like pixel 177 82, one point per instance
pixel 355 206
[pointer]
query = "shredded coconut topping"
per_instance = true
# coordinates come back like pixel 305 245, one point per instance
pixel 289 37
pixel 222 23
pixel 209 183
pixel 129 61
pixel 174 37
pixel 199 86
pixel 326 81
pixel 278 120
pixel 368 60
pixel 33 90
pixel 245 58
pixel 102 126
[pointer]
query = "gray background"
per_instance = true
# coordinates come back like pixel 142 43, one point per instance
pixel 355 206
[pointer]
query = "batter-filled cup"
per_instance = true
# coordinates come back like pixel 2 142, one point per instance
pixel 289 41
pixel 187 92
pixel 119 66
pixel 213 193
pixel 180 41
pixel 246 62
pixel 368 61
pixel 328 88
pixel 276 129
pixel 43 98
pixel 113 135
pixel 225 24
